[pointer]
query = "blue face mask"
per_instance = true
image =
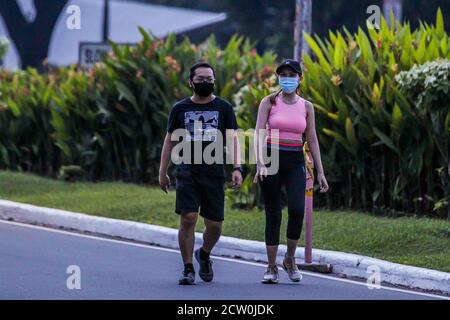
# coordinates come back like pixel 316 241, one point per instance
pixel 288 84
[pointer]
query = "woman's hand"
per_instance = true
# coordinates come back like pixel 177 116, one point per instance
pixel 164 182
pixel 236 178
pixel 323 184
pixel 261 173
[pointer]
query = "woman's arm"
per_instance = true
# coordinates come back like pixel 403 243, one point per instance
pixel 260 135
pixel 260 132
pixel 313 143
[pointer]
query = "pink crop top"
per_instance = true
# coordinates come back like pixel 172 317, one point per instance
pixel 289 119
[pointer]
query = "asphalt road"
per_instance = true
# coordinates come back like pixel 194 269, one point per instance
pixel 34 265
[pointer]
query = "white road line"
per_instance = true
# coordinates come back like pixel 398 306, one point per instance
pixel 75 234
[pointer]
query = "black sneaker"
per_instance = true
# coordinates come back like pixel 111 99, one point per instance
pixel 187 277
pixel 206 272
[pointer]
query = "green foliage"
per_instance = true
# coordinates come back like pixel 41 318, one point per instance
pixel 384 139
pixel 352 83
pixel 4 46
pixel 247 101
pixel 111 121
pixel 25 113
pixel 428 86
pixel 378 150
pixel 71 173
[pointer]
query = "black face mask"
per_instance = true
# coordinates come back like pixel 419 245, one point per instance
pixel 203 89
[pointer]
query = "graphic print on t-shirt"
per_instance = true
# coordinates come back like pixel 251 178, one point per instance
pixel 202 125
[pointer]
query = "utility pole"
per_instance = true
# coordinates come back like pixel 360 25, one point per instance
pixel 303 23
pixel 106 21
pixel 394 6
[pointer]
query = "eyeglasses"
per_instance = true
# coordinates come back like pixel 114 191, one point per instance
pixel 202 79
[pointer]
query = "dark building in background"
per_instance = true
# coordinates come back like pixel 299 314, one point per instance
pixel 38 29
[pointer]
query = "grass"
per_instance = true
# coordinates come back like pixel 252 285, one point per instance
pixel 420 242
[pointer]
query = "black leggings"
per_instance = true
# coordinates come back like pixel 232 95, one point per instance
pixel 291 174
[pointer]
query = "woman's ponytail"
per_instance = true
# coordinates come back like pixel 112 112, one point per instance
pixel 273 97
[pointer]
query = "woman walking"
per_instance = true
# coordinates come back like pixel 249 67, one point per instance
pixel 287 117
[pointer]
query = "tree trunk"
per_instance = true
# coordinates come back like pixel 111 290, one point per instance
pixel 32 39
pixel 303 20
pixel 394 6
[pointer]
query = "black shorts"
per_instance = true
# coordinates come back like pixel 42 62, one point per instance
pixel 194 191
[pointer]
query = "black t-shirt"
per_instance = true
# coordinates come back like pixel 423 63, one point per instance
pixel 203 122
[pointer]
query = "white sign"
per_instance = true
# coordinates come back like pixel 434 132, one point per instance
pixel 92 52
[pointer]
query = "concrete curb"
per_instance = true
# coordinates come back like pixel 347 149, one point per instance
pixel 344 264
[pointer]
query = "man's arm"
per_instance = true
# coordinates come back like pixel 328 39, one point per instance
pixel 164 180
pixel 233 147
pixel 235 150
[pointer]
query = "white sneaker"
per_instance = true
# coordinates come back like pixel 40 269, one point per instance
pixel 271 275
pixel 291 268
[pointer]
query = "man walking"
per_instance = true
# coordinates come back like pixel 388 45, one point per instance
pixel 204 119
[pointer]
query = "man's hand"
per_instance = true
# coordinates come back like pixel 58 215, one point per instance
pixel 236 177
pixel 164 182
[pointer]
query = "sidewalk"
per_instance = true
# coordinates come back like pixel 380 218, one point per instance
pixel 344 264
